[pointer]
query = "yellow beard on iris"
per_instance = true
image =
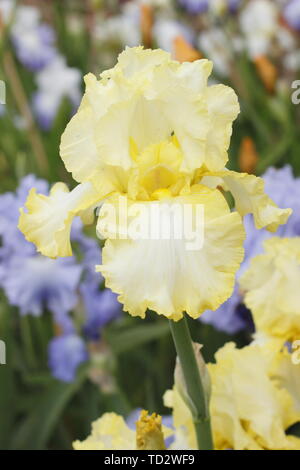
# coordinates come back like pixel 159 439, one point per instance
pixel 111 432
pixel 153 133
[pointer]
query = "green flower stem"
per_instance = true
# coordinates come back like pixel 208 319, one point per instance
pixel 199 409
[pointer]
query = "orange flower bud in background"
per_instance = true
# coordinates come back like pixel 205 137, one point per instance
pixel 1 23
pixel 184 52
pixel 146 24
pixel 267 72
pixel 248 156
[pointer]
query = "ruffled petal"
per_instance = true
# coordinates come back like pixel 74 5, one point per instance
pixel 135 119
pixel 286 373
pixel 183 104
pixel 78 148
pixel 251 406
pixel 170 275
pixel 223 109
pixel 248 411
pixel 250 197
pixel 182 420
pixel 138 62
pixel 146 98
pixel 114 111
pixel 272 284
pixel 48 219
pixel 110 432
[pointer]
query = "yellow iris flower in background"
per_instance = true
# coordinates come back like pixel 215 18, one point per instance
pixel 253 402
pixel 152 132
pixel 110 432
pixel 272 291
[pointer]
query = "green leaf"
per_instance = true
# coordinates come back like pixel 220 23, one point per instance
pixel 7 386
pixel 124 340
pixel 34 432
pixel 294 430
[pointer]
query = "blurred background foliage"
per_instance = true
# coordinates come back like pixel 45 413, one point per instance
pixel 38 411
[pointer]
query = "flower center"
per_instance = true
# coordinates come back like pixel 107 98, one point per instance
pixel 149 435
pixel 157 170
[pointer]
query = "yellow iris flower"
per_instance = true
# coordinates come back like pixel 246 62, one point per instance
pixel 285 372
pixel 150 132
pixel 110 432
pixel 253 402
pixel 272 291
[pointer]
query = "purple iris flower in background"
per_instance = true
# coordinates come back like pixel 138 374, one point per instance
pixel 101 307
pixel 231 317
pixel 34 44
pixel 29 182
pixel 65 354
pixel 33 41
pixel 90 249
pixel 284 189
pixel 195 6
pixel 55 82
pixel 36 49
pixel 233 5
pixel 12 239
pixel 202 6
pixel 68 351
pixel 291 14
pixel 36 283
pixel 64 322
pixel 33 283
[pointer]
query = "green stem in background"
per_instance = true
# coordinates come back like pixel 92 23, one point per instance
pixel 276 154
pixel 24 108
pixel 199 409
pixel 26 334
